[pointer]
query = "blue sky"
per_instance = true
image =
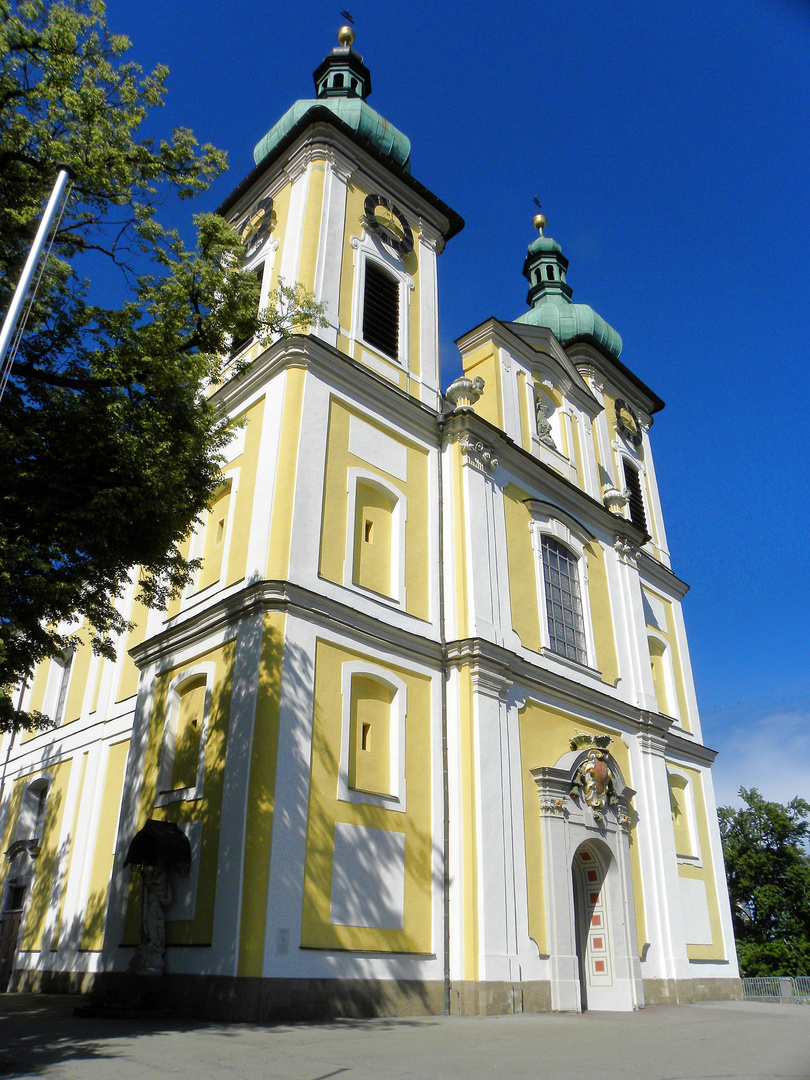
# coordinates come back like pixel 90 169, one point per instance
pixel 669 146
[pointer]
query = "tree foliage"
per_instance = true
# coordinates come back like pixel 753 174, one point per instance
pixel 768 872
pixel 109 444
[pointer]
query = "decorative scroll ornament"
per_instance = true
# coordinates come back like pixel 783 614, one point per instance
pixel 626 550
pixel 593 780
pixel 477 453
pixel 551 807
pixel 463 393
pixel 542 412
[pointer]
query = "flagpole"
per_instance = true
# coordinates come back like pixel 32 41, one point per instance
pixel 64 175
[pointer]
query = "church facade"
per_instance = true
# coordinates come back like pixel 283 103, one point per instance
pixel 425 716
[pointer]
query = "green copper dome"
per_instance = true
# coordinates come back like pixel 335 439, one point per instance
pixel 343 83
pixel 550 297
pixel 357 115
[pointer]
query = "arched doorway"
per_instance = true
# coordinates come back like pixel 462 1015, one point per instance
pixel 594 946
pixel 585 809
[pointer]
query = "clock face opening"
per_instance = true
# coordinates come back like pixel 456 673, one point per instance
pixel 384 219
pixel 627 422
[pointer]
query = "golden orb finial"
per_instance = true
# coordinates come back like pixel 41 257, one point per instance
pixel 539 222
pixel 346 35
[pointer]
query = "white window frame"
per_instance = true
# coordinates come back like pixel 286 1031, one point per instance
pixel 573 537
pixel 58 684
pixel 669 674
pixel 371 247
pixel 398 519
pixel 345 792
pixel 624 455
pixel 165 794
pixel 27 818
pixel 691 815
pixel 197 546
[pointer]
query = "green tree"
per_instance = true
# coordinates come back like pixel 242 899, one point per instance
pixel 768 873
pixel 109 442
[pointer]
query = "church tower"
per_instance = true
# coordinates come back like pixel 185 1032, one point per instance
pixel 421 735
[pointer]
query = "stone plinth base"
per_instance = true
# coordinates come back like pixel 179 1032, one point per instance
pixel 688 991
pixel 214 997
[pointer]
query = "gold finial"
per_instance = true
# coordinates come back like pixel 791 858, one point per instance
pixel 539 222
pixel 346 35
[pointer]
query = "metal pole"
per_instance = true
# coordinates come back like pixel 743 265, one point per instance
pixel 21 292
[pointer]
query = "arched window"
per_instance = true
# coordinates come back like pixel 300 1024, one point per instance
pixel 682 808
pixel 563 601
pixel 373 537
pixel 216 528
pixel 185 731
pixel 375 540
pixel 372 758
pixel 566 625
pixel 370 745
pixel 34 803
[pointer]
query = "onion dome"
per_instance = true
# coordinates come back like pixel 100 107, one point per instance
pixel 550 297
pixel 342 83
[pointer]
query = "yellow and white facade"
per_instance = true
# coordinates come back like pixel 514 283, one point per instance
pixel 426 713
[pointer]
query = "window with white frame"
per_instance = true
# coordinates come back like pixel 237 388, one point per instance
pixel 682 809
pixel 57 686
pixel 566 627
pixel 375 541
pixel 34 803
pixel 562 582
pixel 372 757
pixel 381 310
pixel 381 295
pixel 185 733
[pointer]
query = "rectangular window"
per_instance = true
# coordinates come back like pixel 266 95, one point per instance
pixel 381 310
pixel 566 629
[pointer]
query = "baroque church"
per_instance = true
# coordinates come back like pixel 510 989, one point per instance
pixel 421 736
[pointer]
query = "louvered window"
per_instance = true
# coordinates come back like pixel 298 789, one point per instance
pixel 566 629
pixel 633 482
pixel 381 310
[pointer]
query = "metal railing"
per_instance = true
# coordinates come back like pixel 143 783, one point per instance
pixel 777 988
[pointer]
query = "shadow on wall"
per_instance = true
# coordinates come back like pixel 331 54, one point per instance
pixel 286 816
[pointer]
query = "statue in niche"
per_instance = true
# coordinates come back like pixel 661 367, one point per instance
pixel 542 413
pixel 159 848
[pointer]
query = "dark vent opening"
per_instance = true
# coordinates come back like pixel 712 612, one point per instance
pixel 381 311
pixel 633 482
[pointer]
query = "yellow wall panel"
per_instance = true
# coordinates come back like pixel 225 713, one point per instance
pixel 205 810
pixel 278 563
pixel 523 594
pixel 601 613
pixel 48 858
pixel 325 810
pixel 248 464
pixel 310 236
pixel 261 799
pixel 128 685
pixel 93 925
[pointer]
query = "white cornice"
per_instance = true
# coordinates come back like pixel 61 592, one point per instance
pixel 265 596
pixel 504 667
pixel 338 371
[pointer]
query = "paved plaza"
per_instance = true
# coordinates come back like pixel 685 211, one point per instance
pixel 40 1037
